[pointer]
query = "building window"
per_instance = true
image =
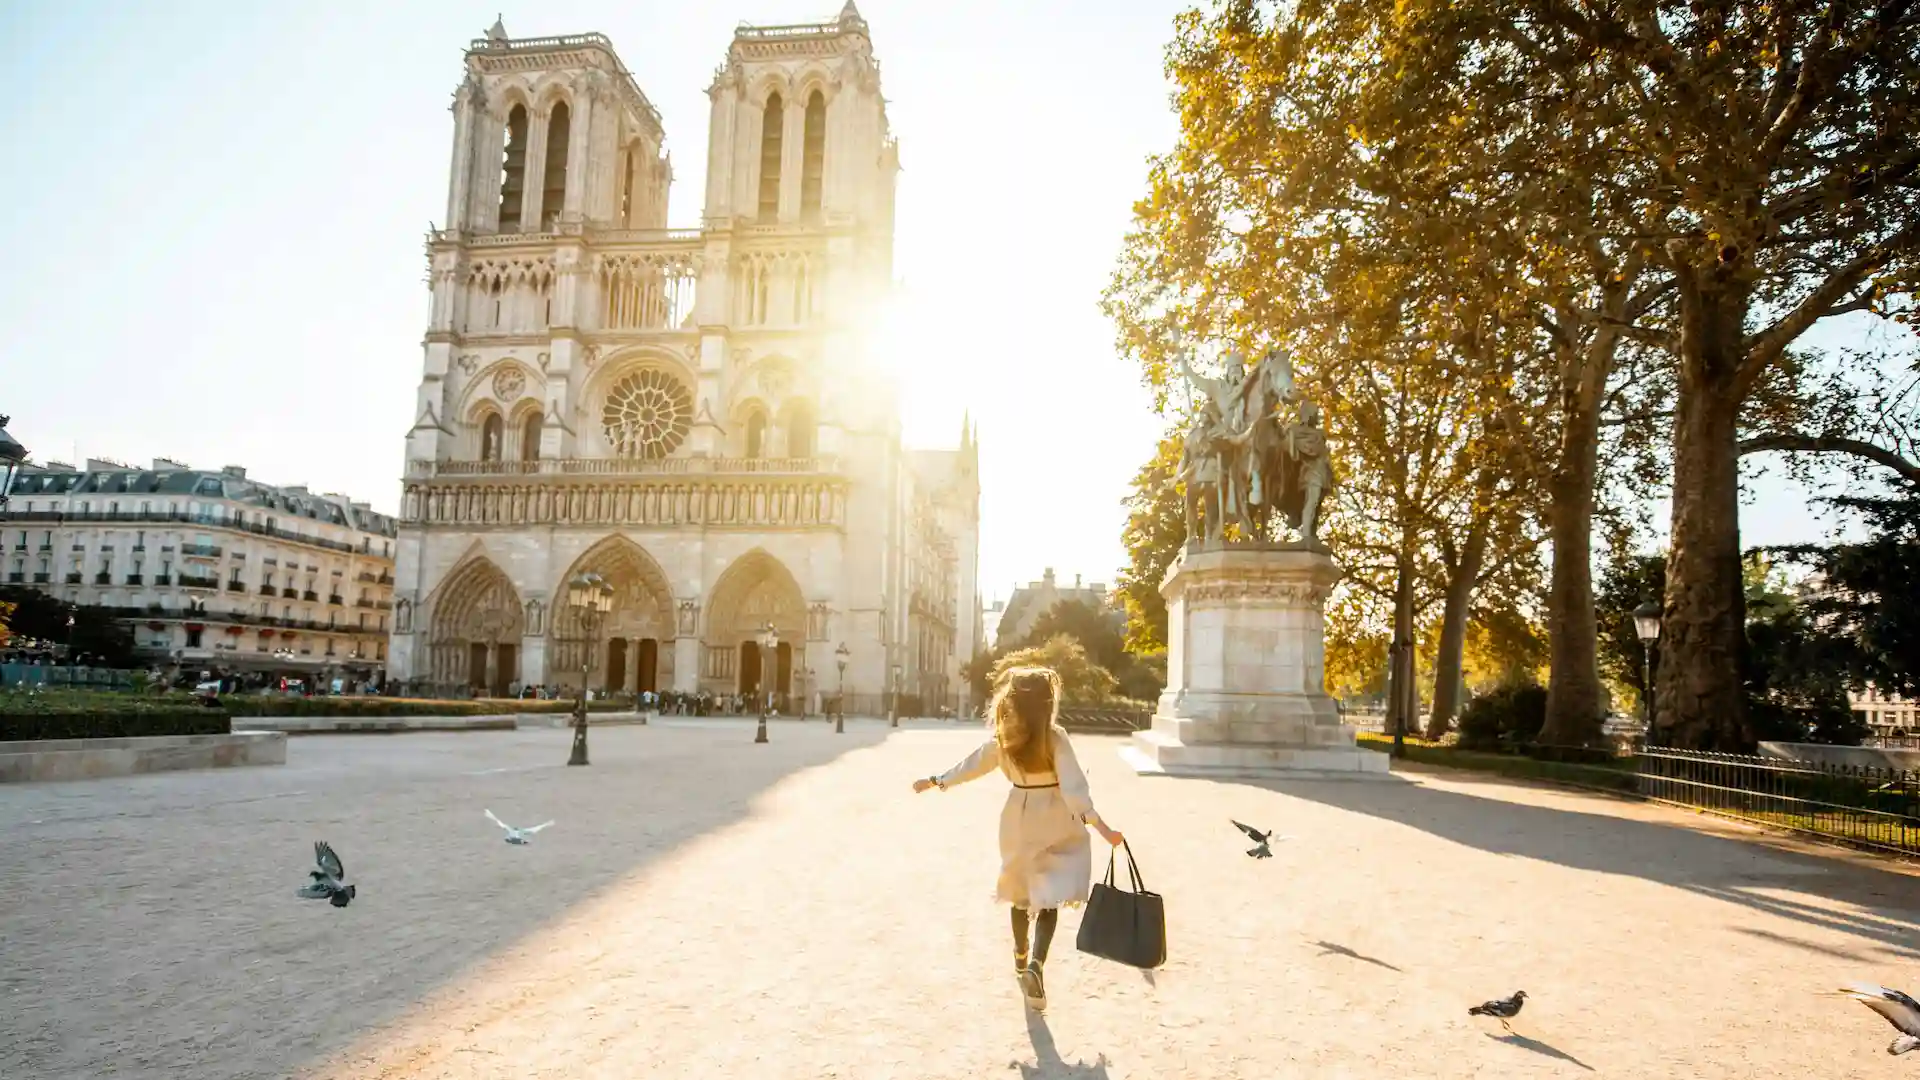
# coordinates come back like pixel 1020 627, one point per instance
pixel 530 437
pixel 513 174
pixel 554 197
pixel 756 433
pixel 193 636
pixel 771 122
pixel 814 155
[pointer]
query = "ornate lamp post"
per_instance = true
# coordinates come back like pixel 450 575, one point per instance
pixel 769 642
pixel 840 656
pixel 12 456
pixel 1646 625
pixel 592 597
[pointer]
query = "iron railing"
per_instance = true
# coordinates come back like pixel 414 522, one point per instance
pixel 1862 805
pixel 1106 721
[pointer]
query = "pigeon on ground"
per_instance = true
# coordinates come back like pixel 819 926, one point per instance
pixel 1501 1009
pixel 1900 1010
pixel 518 836
pixel 1261 851
pixel 329 881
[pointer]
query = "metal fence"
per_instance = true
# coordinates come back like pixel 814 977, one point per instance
pixel 1862 805
pixel 1106 721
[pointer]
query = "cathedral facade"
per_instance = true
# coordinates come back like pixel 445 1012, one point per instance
pixel 701 416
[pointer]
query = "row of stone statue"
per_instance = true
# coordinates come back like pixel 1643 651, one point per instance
pixel 1245 458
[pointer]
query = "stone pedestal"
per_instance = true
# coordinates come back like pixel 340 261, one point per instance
pixel 1246 665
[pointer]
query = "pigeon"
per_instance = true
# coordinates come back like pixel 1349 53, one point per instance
pixel 328 882
pixel 1261 851
pixel 518 836
pixel 1900 1010
pixel 1501 1009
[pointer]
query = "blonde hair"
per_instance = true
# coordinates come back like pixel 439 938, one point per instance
pixel 1022 715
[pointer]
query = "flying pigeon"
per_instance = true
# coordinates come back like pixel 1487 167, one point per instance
pixel 328 882
pixel 1501 1009
pixel 518 836
pixel 1260 851
pixel 1900 1010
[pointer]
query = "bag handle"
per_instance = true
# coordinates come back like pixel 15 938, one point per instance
pixel 1133 868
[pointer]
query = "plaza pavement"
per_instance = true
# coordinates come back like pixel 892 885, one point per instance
pixel 709 908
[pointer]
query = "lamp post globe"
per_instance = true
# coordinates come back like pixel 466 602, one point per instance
pixel 591 597
pixel 769 643
pixel 840 656
pixel 12 456
pixel 1646 626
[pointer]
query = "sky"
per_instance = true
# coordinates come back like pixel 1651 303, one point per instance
pixel 217 213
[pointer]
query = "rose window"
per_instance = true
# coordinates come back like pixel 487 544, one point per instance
pixel 647 415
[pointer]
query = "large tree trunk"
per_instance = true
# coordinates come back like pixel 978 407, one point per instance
pixel 1576 706
pixel 1699 699
pixel 1399 672
pixel 1465 575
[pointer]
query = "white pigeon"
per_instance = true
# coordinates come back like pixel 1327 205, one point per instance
pixel 1900 1010
pixel 518 836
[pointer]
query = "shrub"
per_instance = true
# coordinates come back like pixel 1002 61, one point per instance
pixel 1507 717
pixel 113 725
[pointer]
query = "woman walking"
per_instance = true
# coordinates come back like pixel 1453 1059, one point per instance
pixel 1045 860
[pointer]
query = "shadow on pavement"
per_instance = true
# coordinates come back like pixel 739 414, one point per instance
pixel 1730 869
pixel 107 970
pixel 1048 1065
pixel 1328 948
pixel 1538 1047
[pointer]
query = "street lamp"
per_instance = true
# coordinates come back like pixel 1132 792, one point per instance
pixel 1646 625
pixel 840 656
pixel 591 596
pixel 769 641
pixel 893 705
pixel 12 456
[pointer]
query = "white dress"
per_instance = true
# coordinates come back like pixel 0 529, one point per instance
pixel 1045 859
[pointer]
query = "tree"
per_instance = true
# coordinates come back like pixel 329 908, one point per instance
pixel 96 633
pixel 1867 598
pixel 6 613
pixel 1082 682
pixel 1155 531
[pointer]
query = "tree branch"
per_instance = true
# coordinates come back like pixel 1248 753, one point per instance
pixel 1833 444
pixel 1767 346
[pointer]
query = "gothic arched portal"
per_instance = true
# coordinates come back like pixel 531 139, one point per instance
pixel 755 590
pixel 634 642
pixel 474 635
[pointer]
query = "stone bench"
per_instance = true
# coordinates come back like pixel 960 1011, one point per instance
pixel 88 759
pixel 360 725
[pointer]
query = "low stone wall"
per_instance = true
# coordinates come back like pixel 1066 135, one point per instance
pixel 1823 754
pixel 89 759
pixel 361 725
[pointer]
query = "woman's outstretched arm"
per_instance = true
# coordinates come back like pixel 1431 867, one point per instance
pixel 1074 788
pixel 984 759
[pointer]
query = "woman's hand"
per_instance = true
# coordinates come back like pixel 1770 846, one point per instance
pixel 1111 836
pixel 921 785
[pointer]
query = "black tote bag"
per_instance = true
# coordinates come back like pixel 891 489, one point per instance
pixel 1125 927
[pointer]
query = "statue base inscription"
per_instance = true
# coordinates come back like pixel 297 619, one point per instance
pixel 1246 663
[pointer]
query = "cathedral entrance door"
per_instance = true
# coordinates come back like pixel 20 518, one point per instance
pixel 477 667
pixel 783 669
pixel 506 669
pixel 749 668
pixel 616 665
pixel 647 676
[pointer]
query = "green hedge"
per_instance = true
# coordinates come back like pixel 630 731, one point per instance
pixel 1619 777
pixel 141 724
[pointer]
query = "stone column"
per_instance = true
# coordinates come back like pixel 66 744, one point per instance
pixel 535 177
pixel 686 664
pixel 463 165
pixel 720 165
pixel 793 137
pixel 580 148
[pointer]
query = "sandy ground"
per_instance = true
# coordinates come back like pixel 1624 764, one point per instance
pixel 709 908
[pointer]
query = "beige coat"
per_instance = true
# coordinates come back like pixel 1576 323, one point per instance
pixel 1045 859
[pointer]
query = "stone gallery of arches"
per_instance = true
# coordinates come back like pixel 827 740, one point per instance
pixel 692 414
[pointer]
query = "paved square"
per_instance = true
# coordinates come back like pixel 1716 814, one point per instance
pixel 708 908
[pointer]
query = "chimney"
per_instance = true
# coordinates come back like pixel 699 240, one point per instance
pixel 1047 578
pixel 234 471
pixel 161 464
pixel 1076 581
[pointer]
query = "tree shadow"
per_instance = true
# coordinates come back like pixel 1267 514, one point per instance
pixel 1732 869
pixel 1538 1047
pixel 1851 955
pixel 1048 1064
pixel 96 964
pixel 1328 948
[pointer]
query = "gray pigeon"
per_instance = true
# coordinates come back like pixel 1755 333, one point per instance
pixel 518 836
pixel 329 881
pixel 1501 1009
pixel 1261 850
pixel 1900 1010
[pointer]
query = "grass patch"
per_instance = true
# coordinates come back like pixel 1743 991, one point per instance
pixel 1611 777
pixel 58 713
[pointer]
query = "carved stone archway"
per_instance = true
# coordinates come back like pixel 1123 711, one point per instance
pixel 475 628
pixel 755 590
pixel 634 642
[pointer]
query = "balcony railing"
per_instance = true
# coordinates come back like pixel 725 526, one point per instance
pixel 335 598
pixel 193 581
pixel 162 579
pixel 133 579
pixel 200 551
pixel 367 576
pixel 291 594
pixel 203 521
pixel 40 579
pixel 386 579
pixel 236 586
pixel 687 466
pixel 310 596
pixel 73 579
pixel 363 602
pixel 16 579
pixel 267 590
pixel 103 578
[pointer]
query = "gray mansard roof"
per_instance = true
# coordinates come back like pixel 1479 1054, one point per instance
pixel 40 480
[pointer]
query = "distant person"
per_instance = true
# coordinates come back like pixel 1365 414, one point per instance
pixel 1045 860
